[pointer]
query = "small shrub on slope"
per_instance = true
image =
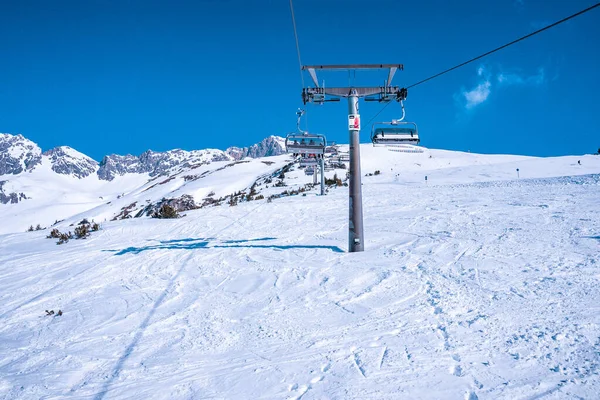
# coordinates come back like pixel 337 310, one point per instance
pixel 54 234
pixel 38 227
pixel 334 181
pixel 166 211
pixel 64 237
pixel 82 231
pixel 85 229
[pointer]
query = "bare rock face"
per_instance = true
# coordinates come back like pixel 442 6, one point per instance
pixel 67 161
pixel 18 154
pixel 114 164
pixel 12 198
pixel 179 204
pixel 270 146
pixel 157 163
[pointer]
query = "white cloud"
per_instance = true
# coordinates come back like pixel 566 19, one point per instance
pixel 480 93
pixel 516 79
pixel 477 95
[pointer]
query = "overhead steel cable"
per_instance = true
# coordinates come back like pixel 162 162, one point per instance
pixel 493 51
pixel 506 45
pixel 378 112
pixel 297 43
pixel 298 51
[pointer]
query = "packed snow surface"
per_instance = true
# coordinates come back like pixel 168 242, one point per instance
pixel 472 285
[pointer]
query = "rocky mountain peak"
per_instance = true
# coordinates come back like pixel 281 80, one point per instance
pixel 17 154
pixel 156 163
pixel 68 161
pixel 270 146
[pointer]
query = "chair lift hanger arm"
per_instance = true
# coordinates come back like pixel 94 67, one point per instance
pixel 353 66
pixel 339 67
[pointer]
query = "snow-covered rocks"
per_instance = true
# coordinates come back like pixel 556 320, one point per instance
pixel 268 147
pixel 10 197
pixel 17 154
pixel 68 161
pixel 157 163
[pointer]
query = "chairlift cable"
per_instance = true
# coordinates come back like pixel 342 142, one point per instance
pixel 493 51
pixel 298 51
pixel 297 43
pixel 506 45
pixel 379 112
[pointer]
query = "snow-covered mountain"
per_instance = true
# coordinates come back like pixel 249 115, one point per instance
pixel 476 283
pixel 17 154
pixel 268 147
pixel 65 185
pixel 67 161
pixel 157 163
pixel 72 181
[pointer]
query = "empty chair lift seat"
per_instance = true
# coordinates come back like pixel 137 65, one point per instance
pixel 391 136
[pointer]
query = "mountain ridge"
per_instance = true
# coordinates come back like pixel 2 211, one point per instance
pixel 19 154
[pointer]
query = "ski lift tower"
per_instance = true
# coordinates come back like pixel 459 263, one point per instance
pixel 382 94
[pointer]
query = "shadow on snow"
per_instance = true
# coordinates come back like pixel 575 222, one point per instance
pixel 183 244
pixel 203 243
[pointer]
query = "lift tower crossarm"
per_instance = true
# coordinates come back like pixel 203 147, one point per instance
pixel 338 67
pixel 384 93
pixel 353 66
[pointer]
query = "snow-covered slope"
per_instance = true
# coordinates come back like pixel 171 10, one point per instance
pixel 473 285
pixel 38 188
pixel 66 185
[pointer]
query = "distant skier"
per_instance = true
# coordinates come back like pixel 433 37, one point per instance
pixel 579 162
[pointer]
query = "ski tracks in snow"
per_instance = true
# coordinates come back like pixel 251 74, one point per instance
pixel 466 292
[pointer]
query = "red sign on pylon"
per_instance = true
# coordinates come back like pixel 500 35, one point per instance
pixel 354 122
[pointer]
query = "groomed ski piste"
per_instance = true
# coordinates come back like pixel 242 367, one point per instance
pixel 474 284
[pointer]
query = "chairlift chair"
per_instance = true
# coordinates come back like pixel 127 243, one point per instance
pixel 302 142
pixel 343 157
pixel 395 133
pixel 305 143
pixel 308 161
pixel 333 150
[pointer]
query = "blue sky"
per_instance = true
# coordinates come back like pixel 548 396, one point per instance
pixel 127 76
